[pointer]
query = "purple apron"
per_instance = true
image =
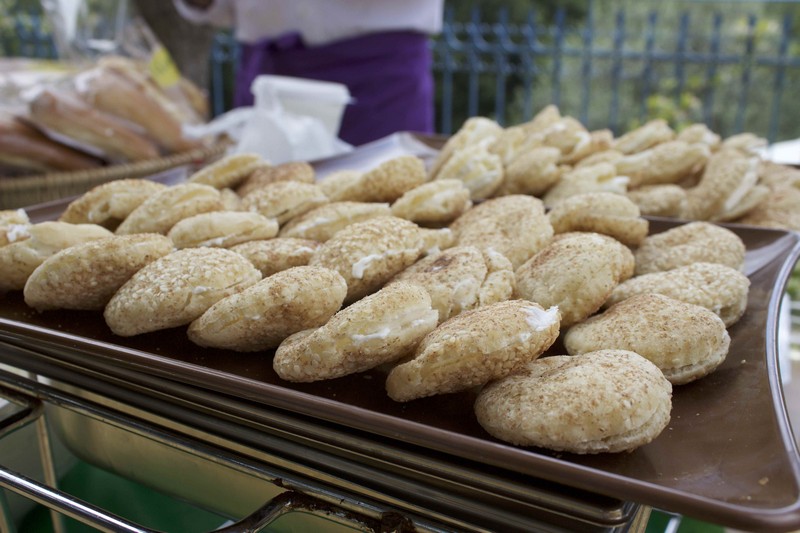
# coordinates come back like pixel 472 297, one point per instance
pixel 388 75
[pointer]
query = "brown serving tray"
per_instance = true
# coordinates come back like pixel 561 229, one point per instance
pixel 728 455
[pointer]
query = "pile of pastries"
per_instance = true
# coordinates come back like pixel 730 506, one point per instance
pixel 455 276
pixel 113 112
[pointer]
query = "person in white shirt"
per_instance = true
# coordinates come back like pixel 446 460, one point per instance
pixel 378 48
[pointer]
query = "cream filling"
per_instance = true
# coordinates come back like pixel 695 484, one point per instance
pixel 748 182
pixel 540 319
pixel 410 319
pixel 361 266
pixel 17 232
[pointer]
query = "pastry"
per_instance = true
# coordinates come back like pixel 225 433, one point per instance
pixel 381 328
pixel 222 229
pixel 667 162
pixel 30 245
pixel 13 225
pixel 532 172
pixel 436 202
pixel 575 274
pixel 478 169
pixel 110 203
pixel 690 243
pixel 646 136
pixel 515 226
pixel 461 278
pixel 601 177
pixel 686 341
pixel 261 316
pixel 175 289
pixel 274 255
pixel 659 200
pixel 86 275
pixel 719 288
pixel 727 180
pixel 579 404
pixel 341 186
pixel 368 254
pixel 475 347
pixel 699 133
pixel 600 212
pixel 162 210
pixel 475 131
pixel 323 222
pixel 778 210
pixel 229 171
pixel 266 174
pixel 747 144
pixel 284 200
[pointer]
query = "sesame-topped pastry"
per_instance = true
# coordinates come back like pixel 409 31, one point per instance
pixel 461 278
pixel 30 245
pixel 684 340
pixel 13 225
pixel 659 200
pixel 727 180
pixel 602 177
pixel 601 212
pixel 86 275
pixel 380 328
pixel 476 131
pixel 284 200
pixel 222 229
pixel 370 253
pixel 261 316
pixel 478 169
pixel 668 162
pixel 177 288
pixel 690 243
pixel 699 133
pixel 576 274
pixel 533 172
pixel 274 255
pixel 579 404
pixel 646 136
pixel 515 226
pixel 716 287
pixel 475 347
pixel 266 174
pixel 110 203
pixel 165 208
pixel 323 222
pixel 436 202
pixel 229 171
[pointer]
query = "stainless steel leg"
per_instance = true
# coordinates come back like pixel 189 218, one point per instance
pixel 48 468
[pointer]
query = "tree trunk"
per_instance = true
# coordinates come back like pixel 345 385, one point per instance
pixel 189 44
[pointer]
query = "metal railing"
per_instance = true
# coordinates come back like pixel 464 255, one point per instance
pixel 614 64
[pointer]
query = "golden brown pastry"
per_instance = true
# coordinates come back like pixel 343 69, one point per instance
pixel 88 274
pixel 222 229
pixel 646 136
pixel 727 180
pixel 575 274
pixel 78 120
pixel 719 288
pixel 162 210
pixel 461 278
pixel 659 200
pixel 579 404
pixel 515 226
pixel 532 172
pixel 31 244
pixel 381 328
pixel 475 347
pixel 474 132
pixel 685 341
pixel 266 174
pixel 274 255
pixel 284 200
pixel 229 171
pixel 323 222
pixel 110 203
pixel 600 212
pixel 261 316
pixel 601 177
pixel 690 243
pixel 436 202
pixel 368 254
pixel 177 288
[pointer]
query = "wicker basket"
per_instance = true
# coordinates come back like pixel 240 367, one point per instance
pixel 28 190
